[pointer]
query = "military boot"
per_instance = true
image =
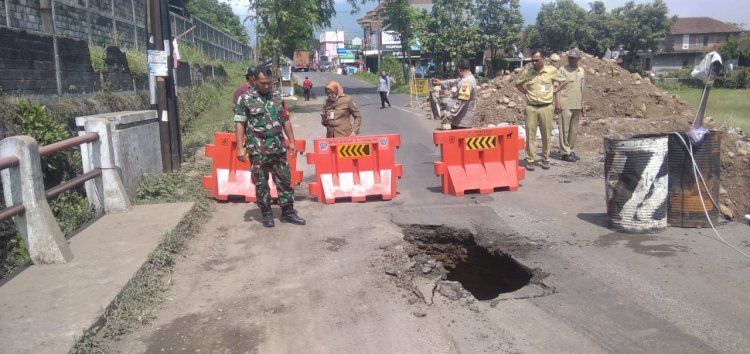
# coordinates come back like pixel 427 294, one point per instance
pixel 288 214
pixel 267 217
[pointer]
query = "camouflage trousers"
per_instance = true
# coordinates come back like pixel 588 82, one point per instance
pixel 278 166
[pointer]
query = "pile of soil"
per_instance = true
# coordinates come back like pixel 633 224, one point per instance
pixel 620 104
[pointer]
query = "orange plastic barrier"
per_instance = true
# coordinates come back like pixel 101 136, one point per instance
pixel 231 177
pixel 355 168
pixel 482 159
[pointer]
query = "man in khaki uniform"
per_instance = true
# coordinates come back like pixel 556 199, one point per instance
pixel 537 84
pixel 569 102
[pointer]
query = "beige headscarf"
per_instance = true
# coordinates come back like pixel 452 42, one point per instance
pixel 335 87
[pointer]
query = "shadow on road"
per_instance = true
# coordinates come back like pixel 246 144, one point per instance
pixel 599 219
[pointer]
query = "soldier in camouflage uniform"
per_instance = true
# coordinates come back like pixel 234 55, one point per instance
pixel 262 117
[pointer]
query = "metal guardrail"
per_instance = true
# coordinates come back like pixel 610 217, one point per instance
pixel 53 192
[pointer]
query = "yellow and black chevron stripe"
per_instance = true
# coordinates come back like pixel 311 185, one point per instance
pixel 481 142
pixel 354 150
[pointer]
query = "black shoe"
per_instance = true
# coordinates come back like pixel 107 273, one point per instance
pixel 288 214
pixel 573 155
pixel 267 218
pixel 568 158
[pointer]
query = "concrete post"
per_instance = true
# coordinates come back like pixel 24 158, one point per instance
pixel 23 185
pixel 109 192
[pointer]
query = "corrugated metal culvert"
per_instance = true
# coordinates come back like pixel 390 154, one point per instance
pixel 685 208
pixel 636 175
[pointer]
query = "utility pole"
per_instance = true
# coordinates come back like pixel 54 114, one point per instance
pixel 164 95
pixel 175 139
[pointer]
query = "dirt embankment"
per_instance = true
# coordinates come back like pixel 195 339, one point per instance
pixel 621 104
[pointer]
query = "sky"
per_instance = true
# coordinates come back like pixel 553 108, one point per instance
pixel 737 11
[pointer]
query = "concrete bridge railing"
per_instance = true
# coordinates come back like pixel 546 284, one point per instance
pixel 116 150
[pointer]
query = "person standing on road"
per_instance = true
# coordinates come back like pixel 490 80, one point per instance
pixel 306 87
pixel 536 83
pixel 263 118
pixel 464 94
pixel 338 111
pixel 384 88
pixel 245 86
pixel 569 102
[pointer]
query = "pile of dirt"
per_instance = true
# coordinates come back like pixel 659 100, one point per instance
pixel 610 91
pixel 620 104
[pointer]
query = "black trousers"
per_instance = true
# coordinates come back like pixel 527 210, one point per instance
pixel 384 99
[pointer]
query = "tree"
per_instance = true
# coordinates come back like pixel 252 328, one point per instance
pixel 600 21
pixel 562 25
pixel 283 24
pixel 729 49
pixel 499 22
pixel 217 14
pixel 640 27
pixel 451 30
pixel 407 22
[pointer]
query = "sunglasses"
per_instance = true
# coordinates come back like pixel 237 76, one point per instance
pixel 535 60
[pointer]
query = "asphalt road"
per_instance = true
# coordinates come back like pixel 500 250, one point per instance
pixel 343 284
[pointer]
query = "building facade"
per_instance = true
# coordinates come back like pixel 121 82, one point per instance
pixel 689 41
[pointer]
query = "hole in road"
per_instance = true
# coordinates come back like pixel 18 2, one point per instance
pixel 484 273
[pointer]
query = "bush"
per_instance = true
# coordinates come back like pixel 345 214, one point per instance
pixel 740 80
pixel 137 63
pixel 195 100
pixel 36 123
pixel 97 56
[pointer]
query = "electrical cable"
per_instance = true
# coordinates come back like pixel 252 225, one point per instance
pixel 700 195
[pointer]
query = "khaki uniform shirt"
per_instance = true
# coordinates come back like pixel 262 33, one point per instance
pixel 464 95
pixel 343 111
pixel 571 94
pixel 540 86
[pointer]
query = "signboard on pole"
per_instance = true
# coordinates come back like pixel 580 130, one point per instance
pixel 341 50
pixel 422 86
pixel 157 62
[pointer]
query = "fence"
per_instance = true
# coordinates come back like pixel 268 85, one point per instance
pixel 120 23
pixel 45 42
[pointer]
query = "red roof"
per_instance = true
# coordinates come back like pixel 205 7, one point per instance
pixel 699 25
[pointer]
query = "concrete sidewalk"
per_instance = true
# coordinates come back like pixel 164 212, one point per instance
pixel 44 308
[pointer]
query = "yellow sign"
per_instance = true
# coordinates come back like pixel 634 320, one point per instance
pixel 354 150
pixel 481 143
pixel 421 86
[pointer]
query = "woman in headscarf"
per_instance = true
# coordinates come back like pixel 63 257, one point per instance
pixel 338 111
pixel 384 88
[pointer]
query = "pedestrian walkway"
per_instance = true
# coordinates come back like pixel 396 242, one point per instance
pixel 44 308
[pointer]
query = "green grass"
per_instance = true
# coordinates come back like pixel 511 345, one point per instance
pixel 724 105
